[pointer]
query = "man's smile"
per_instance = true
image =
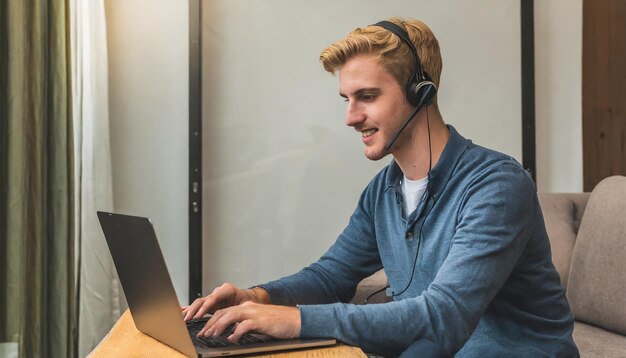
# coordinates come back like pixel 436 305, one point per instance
pixel 368 132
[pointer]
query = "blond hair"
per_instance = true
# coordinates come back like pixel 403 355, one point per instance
pixel 392 53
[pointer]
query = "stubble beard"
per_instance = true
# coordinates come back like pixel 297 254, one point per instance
pixel 376 155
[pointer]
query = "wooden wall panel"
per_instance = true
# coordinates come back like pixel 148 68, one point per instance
pixel 604 90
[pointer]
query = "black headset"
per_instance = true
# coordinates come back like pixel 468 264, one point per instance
pixel 420 88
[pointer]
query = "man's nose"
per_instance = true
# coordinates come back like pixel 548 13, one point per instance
pixel 354 115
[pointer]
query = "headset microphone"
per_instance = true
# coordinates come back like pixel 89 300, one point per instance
pixel 420 89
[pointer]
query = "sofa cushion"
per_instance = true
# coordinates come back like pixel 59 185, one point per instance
pixel 562 213
pixel 597 280
pixel 596 342
pixel 368 286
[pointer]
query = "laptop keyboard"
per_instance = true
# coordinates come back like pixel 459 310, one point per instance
pixel 196 325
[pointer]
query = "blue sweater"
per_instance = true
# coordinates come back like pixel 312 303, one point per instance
pixel 483 284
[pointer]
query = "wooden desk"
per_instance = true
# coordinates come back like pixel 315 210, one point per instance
pixel 124 340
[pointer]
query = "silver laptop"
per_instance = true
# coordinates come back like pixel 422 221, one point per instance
pixel 152 300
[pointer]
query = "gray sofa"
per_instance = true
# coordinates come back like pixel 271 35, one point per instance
pixel 588 237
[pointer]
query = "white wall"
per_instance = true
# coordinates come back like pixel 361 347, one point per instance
pixel 149 114
pixel 558 66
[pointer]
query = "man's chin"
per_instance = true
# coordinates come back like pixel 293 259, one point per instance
pixel 375 155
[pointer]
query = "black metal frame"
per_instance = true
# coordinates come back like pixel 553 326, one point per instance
pixel 528 87
pixel 195 149
pixel 195 126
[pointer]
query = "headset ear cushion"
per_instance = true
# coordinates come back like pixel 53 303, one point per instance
pixel 421 93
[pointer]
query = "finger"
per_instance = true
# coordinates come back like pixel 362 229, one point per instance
pixel 208 328
pixel 184 310
pixel 206 331
pixel 191 309
pixel 241 329
pixel 209 303
pixel 217 299
pixel 229 317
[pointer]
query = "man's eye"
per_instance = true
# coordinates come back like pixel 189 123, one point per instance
pixel 368 97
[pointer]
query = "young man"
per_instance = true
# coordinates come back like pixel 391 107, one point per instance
pixel 457 228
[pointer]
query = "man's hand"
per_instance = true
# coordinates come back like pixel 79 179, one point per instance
pixel 275 321
pixel 226 295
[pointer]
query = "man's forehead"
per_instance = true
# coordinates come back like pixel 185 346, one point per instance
pixel 362 73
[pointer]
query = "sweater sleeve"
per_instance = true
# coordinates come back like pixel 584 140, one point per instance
pixel 492 231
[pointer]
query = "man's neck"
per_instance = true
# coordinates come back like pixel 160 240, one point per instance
pixel 414 157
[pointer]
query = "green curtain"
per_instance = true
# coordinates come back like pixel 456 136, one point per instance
pixel 37 278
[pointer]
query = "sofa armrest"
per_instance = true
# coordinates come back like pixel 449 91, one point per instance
pixel 370 285
pixel 562 213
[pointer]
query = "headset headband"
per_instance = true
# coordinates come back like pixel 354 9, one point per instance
pixel 404 36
